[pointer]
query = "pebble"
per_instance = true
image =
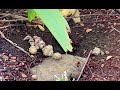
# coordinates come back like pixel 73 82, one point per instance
pixel 1 78
pixel 10 55
pixel 13 58
pixel 1 55
pixel 102 65
pixel 0 59
pixel 102 60
pixel 16 68
pixel 107 52
pixel 23 75
pixel 34 77
pixel 22 63
pixel 102 53
pixel 88 30
pixel 7 77
pixel 96 51
pixel 5 57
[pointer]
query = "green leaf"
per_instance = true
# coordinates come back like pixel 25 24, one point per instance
pixel 56 24
pixel 31 14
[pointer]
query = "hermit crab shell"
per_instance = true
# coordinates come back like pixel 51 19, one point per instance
pixel 48 50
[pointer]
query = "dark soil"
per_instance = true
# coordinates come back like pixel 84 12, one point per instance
pixel 101 36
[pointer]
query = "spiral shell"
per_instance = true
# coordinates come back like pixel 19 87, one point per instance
pixel 57 56
pixel 48 50
pixel 33 50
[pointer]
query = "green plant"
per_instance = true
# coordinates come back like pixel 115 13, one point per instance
pixel 63 77
pixel 56 24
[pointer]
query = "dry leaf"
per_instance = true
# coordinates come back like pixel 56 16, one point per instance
pixel 108 57
pixel 74 12
pixel 41 28
pixel 88 30
pixel 66 12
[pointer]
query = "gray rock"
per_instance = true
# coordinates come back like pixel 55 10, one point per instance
pixel 50 67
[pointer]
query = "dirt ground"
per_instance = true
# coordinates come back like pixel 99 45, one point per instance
pixel 17 65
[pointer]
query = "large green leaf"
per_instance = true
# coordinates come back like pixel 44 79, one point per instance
pixel 31 14
pixel 56 24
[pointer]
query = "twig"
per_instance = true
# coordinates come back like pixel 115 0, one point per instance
pixel 14 20
pixel 100 21
pixel 115 29
pixel 12 15
pixel 84 65
pixel 92 15
pixel 13 25
pixel 14 44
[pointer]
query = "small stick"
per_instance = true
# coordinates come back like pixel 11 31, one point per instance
pixel 84 65
pixel 14 44
pixel 92 15
pixel 115 29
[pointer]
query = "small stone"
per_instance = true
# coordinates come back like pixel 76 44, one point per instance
pixel 96 51
pixel 102 60
pixel 1 55
pixel 102 65
pixel 16 68
pixel 107 52
pixel 10 55
pixel 1 78
pixel 114 24
pixel 7 77
pixel 102 53
pixel 88 30
pixel 57 56
pixel 22 63
pixel 23 75
pixel 0 59
pixel 31 56
pixel 13 58
pixel 34 77
pixel 5 57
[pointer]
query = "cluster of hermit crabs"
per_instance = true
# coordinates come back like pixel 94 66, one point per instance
pixel 37 43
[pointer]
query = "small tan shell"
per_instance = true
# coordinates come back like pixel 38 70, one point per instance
pixel 33 50
pixel 41 44
pixel 36 37
pixel 57 56
pixel 48 50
